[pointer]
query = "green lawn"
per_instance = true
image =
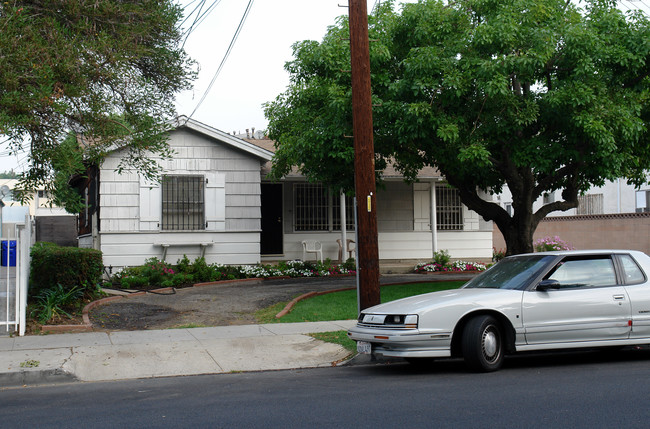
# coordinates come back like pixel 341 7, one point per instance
pixel 343 305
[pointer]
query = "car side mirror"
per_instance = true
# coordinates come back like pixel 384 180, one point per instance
pixel 547 284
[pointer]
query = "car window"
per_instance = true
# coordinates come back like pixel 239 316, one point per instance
pixel 511 273
pixel 631 271
pixel 589 272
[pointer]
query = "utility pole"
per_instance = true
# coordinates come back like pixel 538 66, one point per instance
pixel 364 157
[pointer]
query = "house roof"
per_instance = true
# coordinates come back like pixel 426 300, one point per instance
pixel 390 172
pixel 236 142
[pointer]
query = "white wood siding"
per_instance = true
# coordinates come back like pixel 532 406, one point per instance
pixel 131 207
pixel 124 249
pixel 401 245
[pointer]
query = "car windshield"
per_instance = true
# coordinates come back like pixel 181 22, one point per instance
pixel 511 273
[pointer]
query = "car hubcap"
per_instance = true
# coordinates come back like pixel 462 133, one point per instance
pixel 490 344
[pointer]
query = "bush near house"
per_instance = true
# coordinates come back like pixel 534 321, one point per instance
pixel 61 280
pixel 69 267
pixel 441 262
pixel 547 244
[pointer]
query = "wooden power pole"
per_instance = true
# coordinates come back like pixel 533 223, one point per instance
pixel 364 157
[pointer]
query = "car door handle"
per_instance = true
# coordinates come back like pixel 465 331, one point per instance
pixel 619 297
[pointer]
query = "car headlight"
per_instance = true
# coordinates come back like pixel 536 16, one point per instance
pixel 409 321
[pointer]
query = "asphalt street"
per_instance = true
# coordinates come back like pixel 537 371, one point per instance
pixel 584 389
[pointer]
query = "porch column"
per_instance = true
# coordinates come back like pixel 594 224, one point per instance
pixel 434 220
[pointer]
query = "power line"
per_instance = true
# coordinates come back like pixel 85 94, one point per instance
pixel 189 31
pixel 630 5
pixel 207 13
pixel 191 13
pixel 225 57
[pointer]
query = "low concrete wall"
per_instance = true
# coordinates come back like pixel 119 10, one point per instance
pixel 610 231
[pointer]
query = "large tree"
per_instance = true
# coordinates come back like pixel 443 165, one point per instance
pixel 106 70
pixel 536 95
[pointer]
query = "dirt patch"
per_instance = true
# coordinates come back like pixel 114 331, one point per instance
pixel 214 305
pixel 131 315
pixel 220 304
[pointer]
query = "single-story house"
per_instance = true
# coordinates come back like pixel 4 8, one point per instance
pixel 214 201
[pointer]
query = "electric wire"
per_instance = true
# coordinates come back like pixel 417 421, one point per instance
pixel 206 13
pixel 189 31
pixel 630 5
pixel 225 57
pixel 187 16
pixel 200 17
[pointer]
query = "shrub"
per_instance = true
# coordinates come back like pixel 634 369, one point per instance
pixel 498 255
pixel 53 302
pixel 54 266
pixel 133 282
pixel 456 266
pixel 547 244
pixel 441 257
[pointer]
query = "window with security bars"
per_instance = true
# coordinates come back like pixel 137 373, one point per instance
pixel 317 210
pixel 590 204
pixel 449 210
pixel 183 203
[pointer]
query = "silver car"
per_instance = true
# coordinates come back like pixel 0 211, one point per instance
pixel 537 301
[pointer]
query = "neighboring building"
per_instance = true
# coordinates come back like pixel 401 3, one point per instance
pixel 214 201
pixel 51 221
pixel 616 215
pixel 611 198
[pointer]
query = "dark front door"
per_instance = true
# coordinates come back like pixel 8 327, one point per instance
pixel 271 239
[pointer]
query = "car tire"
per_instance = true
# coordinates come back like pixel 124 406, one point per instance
pixel 482 344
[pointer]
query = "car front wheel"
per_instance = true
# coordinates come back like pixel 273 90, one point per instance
pixel 482 344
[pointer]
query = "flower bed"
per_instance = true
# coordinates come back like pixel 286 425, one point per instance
pixel 456 266
pixel 155 273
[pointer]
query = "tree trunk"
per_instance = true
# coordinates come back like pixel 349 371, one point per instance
pixel 518 237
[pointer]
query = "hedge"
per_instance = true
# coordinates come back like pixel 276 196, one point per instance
pixel 53 265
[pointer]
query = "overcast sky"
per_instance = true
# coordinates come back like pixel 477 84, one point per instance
pixel 254 71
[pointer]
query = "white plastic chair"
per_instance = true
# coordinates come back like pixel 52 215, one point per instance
pixel 312 247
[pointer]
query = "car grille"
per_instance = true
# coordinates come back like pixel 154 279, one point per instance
pixel 382 326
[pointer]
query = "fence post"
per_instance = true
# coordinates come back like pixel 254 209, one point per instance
pixel 22 277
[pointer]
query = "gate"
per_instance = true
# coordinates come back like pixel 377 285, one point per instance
pixel 14 276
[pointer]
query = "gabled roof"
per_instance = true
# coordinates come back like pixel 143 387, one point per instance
pixel 236 142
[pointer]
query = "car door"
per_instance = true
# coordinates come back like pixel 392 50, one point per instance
pixel 586 303
pixel 638 289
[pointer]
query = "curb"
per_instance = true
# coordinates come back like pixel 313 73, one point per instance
pixel 287 309
pixel 35 378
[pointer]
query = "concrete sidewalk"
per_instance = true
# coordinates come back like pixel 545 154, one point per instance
pixel 100 356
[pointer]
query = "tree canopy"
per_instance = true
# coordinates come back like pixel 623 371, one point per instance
pixel 104 69
pixel 536 96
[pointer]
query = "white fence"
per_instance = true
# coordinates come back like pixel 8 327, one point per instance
pixel 14 278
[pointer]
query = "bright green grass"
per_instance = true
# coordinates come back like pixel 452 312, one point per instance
pixel 343 305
